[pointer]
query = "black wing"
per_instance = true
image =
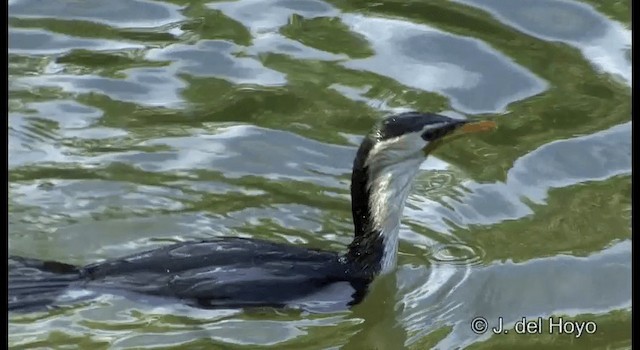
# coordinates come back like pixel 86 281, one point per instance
pixel 222 272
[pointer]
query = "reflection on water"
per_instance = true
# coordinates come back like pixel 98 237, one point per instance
pixel 118 13
pixel 602 41
pixel 38 42
pixel 216 58
pixel 139 123
pixel 429 60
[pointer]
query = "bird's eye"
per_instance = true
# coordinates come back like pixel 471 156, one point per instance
pixel 433 134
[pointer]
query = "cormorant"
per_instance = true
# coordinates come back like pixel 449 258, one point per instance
pixel 231 272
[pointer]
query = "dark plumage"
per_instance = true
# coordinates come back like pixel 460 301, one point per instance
pixel 234 272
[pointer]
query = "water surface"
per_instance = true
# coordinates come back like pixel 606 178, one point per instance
pixel 140 123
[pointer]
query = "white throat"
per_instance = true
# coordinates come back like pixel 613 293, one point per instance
pixel 389 187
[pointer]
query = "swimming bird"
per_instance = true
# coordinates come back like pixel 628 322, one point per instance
pixel 232 272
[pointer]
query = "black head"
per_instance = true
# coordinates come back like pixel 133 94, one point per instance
pixel 412 135
pixel 430 125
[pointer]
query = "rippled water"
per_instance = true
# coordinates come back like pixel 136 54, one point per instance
pixel 137 123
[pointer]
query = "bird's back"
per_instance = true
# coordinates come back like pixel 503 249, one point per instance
pixel 224 272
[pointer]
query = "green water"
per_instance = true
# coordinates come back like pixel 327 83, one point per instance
pixel 135 123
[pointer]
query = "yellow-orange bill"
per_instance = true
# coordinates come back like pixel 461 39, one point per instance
pixel 485 125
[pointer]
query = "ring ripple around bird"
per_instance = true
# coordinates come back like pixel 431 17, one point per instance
pixel 457 254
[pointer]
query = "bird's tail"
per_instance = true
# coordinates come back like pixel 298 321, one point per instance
pixel 35 284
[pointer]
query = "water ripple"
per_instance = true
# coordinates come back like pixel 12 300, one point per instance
pixel 431 60
pixel 138 123
pixel 117 13
pixel 457 254
pixel 216 58
pixel 602 41
pixel 40 42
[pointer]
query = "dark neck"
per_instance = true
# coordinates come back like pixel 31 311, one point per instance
pixel 367 248
pixel 378 195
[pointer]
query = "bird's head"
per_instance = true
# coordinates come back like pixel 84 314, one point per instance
pixel 413 136
pixel 386 163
